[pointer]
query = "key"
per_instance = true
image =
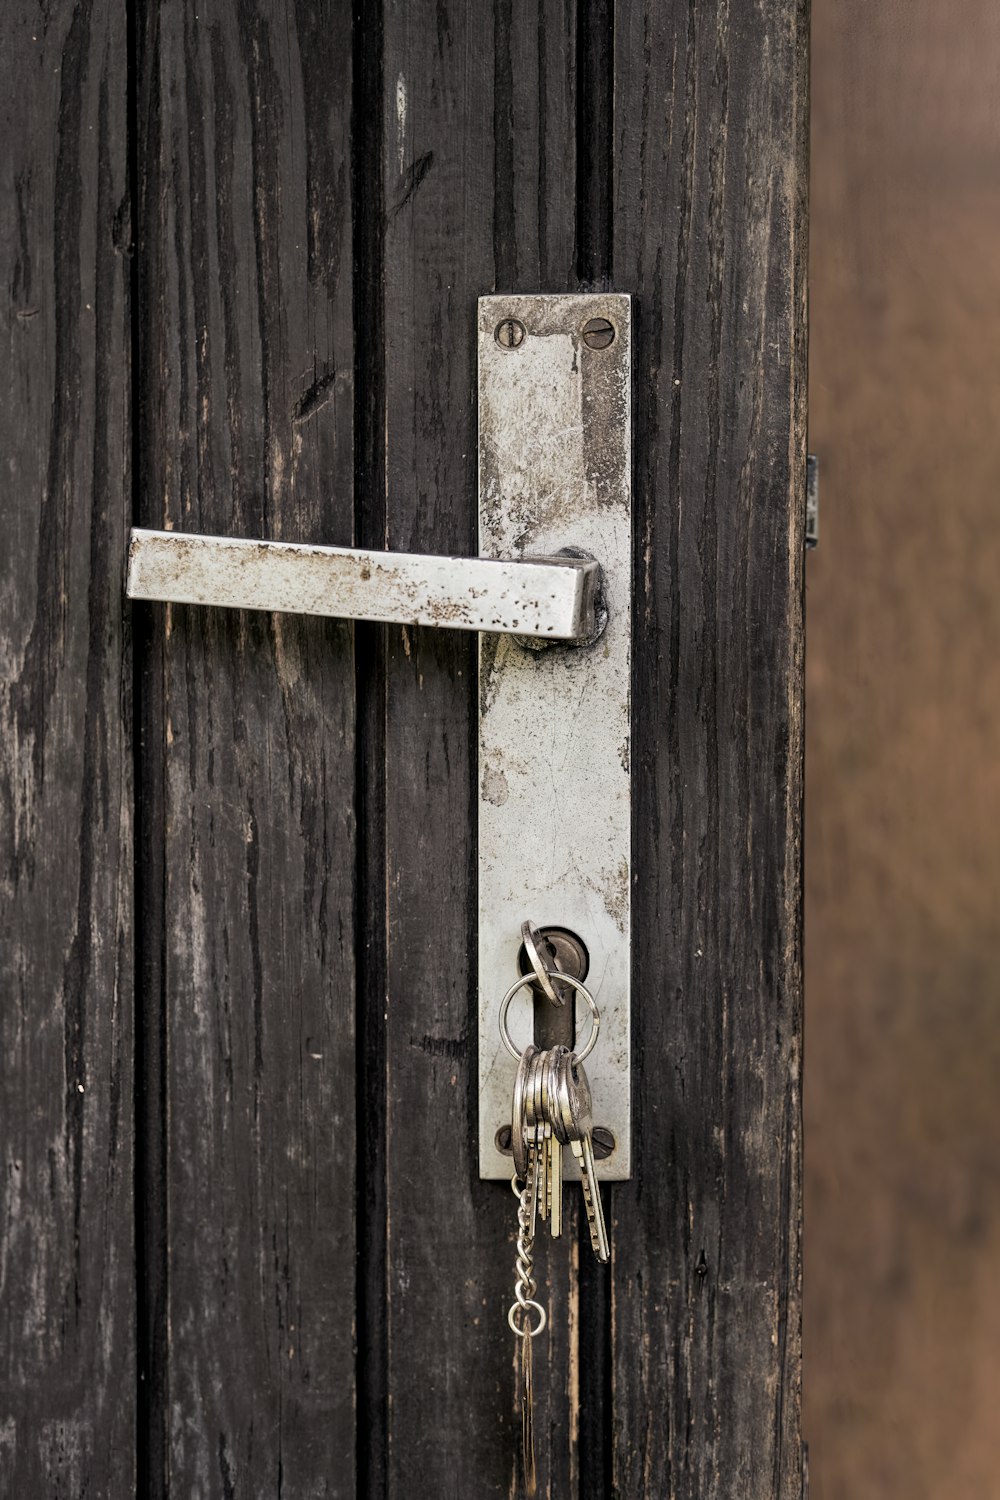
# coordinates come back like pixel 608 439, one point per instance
pixel 545 1187
pixel 574 1112
pixel 532 1182
pixel 544 1130
pixel 518 1136
pixel 527 1130
pixel 539 1100
pixel 555 1145
pixel 533 1134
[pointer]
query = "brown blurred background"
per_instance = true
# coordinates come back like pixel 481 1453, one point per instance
pixel 902 1090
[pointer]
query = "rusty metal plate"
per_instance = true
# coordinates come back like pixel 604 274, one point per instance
pixel 555 462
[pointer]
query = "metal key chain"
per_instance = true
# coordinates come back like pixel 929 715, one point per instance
pixel 519 1318
pixel 575 984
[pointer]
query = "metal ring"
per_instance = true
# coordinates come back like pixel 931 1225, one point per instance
pixel 529 934
pixel 516 1307
pixel 578 986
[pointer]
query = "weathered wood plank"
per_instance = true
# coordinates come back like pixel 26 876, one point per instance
pixel 479 191
pixel 709 226
pixel 248 396
pixel 67 1388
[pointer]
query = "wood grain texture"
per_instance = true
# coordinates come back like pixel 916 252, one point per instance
pixel 709 226
pixel 67 1387
pixel 479 188
pixel 249 756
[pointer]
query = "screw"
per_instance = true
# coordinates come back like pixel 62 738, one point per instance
pixel 598 333
pixel 509 333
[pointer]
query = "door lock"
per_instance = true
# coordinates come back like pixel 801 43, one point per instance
pixel 555 565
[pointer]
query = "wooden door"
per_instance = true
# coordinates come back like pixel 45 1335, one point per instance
pixel 244 1250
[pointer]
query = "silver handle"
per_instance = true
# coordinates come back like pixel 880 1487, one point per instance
pixel 552 597
pixel 554 731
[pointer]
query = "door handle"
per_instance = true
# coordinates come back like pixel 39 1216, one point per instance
pixel 554 782
pixel 549 597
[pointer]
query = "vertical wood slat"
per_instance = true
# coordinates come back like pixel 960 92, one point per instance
pixel 67 1409
pixel 249 761
pixel 479 185
pixel 709 226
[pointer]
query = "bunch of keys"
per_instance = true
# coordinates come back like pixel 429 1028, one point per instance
pixel 551 1108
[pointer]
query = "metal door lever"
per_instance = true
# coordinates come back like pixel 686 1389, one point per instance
pixel 551 597
pixel 554 777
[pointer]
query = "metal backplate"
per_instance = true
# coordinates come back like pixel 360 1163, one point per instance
pixel 555 461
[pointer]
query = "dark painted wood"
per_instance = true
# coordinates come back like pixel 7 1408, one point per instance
pixel 699 1393
pixel 709 232
pixel 479 186
pixel 370 649
pixel 248 768
pixel 67 1368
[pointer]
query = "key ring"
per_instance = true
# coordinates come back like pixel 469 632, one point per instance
pixel 578 986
